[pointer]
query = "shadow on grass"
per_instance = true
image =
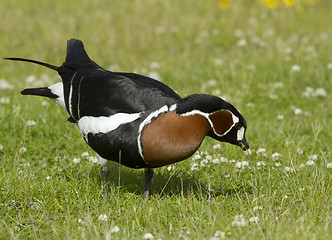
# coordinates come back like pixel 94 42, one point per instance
pixel 169 183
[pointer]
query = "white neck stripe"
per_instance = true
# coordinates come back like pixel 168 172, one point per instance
pixel 206 115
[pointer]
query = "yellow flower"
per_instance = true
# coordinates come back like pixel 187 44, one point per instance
pixel 223 4
pixel 270 3
pixel 289 3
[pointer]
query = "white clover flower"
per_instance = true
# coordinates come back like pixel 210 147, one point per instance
pixel 250 104
pixel 309 92
pixel 85 154
pixel 232 161
pixel 216 146
pixel 241 164
pixel 48 178
pixel 204 162
pixel 277 164
pixel 1 147
pixel 115 229
pixel 329 165
pixel 194 167
pixel 299 151
pixel 223 159
pixel 280 117
pixel 76 160
pixel 5 85
pixel 247 152
pixel 31 123
pixel 250 67
pixel 296 68
pixel 238 33
pixel 196 156
pixel 170 168
pixel 298 111
pixel 220 234
pixel 155 65
pixel 254 219
pixel 218 61
pixel 241 42
pixel 273 96
pixel 203 153
pixel 93 159
pixel 5 100
pixel 215 161
pixel 261 151
pixel 289 142
pixel 288 50
pixel 276 156
pixel 227 176
pixel 289 169
pixel 329 66
pixel 256 208
pixel 80 221
pixel 320 92
pixel 22 150
pixel 211 82
pixel 239 221
pixel 310 163
pixel 313 157
pixel 260 164
pixel 208 157
pixel 102 217
pixel 31 78
pixel 148 236
pixel 45 103
pixel 302 165
pixel 25 165
pixel 214 238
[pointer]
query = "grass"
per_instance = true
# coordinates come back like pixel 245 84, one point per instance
pixel 261 60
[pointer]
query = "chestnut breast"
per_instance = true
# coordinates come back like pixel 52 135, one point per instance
pixel 172 138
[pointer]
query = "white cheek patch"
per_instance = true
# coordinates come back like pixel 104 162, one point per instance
pixel 88 124
pixel 240 134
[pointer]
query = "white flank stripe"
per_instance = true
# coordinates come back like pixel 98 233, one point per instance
pixel 88 124
pixel 71 93
pixel 69 99
pixel 146 121
pixel 57 89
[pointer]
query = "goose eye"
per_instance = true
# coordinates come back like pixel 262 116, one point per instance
pixel 237 126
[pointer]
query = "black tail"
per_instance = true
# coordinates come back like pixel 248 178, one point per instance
pixel 34 61
pixel 76 51
pixel 43 91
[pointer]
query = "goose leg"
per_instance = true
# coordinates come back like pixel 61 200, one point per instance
pixel 104 170
pixel 148 174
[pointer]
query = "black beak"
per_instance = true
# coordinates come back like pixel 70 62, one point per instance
pixel 244 144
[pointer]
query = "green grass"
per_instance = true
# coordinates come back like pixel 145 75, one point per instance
pixel 196 44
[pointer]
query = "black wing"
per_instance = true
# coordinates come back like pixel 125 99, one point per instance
pixel 90 90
